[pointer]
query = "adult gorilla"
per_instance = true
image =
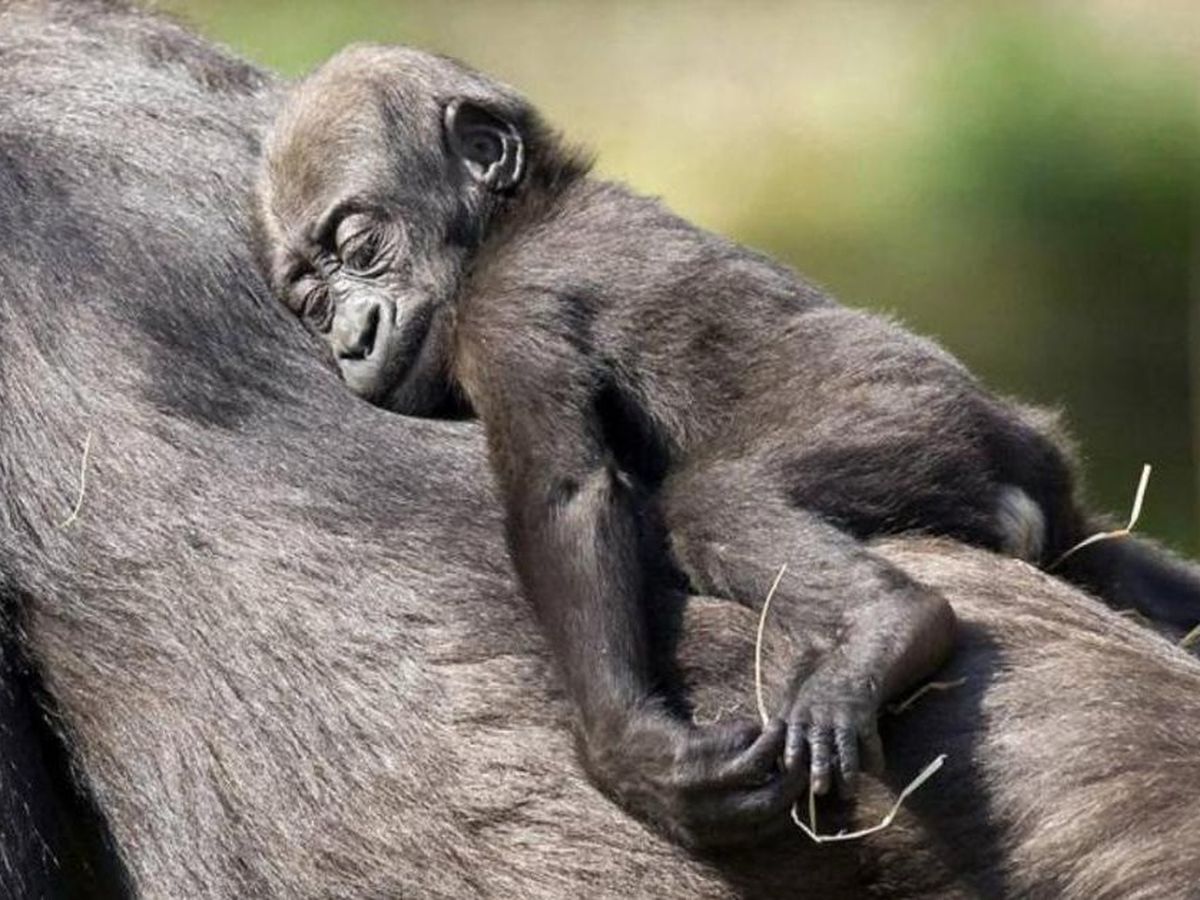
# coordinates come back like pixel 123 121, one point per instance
pixel 280 639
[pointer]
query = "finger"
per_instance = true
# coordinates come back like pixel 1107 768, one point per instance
pixel 795 750
pixel 872 750
pixel 756 763
pixel 846 742
pixel 820 767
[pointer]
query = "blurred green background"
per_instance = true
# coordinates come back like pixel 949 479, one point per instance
pixel 1019 180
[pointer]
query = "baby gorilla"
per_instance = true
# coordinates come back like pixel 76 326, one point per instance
pixel 660 401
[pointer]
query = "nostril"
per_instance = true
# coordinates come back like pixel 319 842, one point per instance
pixel 361 340
pixel 370 329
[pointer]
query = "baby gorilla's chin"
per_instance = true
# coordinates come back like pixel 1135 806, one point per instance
pixel 365 377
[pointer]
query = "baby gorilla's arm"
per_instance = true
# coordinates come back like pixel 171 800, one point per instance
pixel 874 632
pixel 580 547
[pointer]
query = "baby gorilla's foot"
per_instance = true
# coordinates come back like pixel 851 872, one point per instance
pixel 719 784
pixel 832 728
pixel 1020 524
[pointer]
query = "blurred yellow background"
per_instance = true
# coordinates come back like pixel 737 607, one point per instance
pixel 1020 180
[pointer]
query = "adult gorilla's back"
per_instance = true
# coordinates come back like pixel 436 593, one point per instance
pixel 281 640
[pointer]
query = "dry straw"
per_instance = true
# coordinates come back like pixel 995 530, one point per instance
pixel 87 447
pixel 896 708
pixel 1118 533
pixel 1192 637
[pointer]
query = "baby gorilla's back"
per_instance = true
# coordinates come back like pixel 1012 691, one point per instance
pixel 880 431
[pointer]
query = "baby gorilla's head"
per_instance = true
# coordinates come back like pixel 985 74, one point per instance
pixel 384 173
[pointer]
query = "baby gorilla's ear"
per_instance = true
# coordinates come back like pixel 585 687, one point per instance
pixel 490 147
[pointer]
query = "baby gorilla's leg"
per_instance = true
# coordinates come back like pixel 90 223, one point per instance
pixel 876 632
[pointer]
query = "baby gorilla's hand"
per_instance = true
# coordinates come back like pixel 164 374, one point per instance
pixel 703 787
pixel 831 725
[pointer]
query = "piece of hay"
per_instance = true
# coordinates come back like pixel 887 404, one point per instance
pixel 758 647
pixel 896 708
pixel 1192 637
pixel 924 775
pixel 1135 615
pixel 87 447
pixel 1118 533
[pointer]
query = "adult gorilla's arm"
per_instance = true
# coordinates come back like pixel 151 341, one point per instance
pixel 282 637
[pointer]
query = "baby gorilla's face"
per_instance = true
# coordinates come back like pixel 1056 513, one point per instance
pixel 374 193
pixel 371 294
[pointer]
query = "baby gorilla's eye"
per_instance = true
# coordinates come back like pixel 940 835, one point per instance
pixel 312 302
pixel 362 243
pixel 363 252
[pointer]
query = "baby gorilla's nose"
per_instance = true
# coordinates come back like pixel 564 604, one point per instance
pixel 355 327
